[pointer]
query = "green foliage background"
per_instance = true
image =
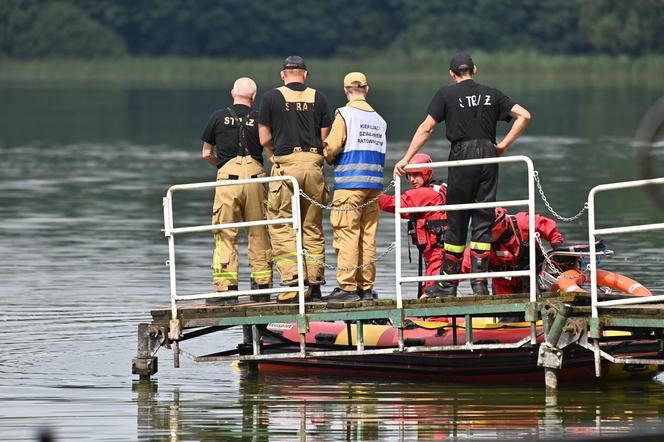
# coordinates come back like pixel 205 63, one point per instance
pixel 243 29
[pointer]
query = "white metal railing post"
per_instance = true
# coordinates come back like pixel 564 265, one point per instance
pixel 593 250
pixel 170 231
pixel 168 227
pixel 530 203
pixel 531 229
pixel 593 231
pixel 397 239
pixel 297 227
pixel 531 245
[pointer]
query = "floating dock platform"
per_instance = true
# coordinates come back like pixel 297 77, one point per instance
pixel 556 321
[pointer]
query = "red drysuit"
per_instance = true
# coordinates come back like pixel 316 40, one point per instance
pixel 428 230
pixel 510 251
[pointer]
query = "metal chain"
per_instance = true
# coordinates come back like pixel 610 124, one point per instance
pixel 548 206
pixel 552 266
pixel 350 269
pixel 344 209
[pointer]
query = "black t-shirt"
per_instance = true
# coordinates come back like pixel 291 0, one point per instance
pixel 470 110
pixel 223 132
pixel 295 117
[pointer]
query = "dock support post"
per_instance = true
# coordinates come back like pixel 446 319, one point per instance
pixel 547 317
pixel 144 364
pixel 595 333
pixel 550 381
pixel 302 329
pixel 550 356
pixel 246 348
pixel 531 316
pixel 176 354
pixel 398 321
pixel 360 335
pixel 469 330
pixel 598 359
pixel 246 334
pixel 256 339
pixel 174 334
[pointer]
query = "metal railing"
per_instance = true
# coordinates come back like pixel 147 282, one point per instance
pixel 592 232
pixel 530 202
pixel 170 231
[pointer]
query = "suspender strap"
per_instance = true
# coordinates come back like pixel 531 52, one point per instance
pixel 243 146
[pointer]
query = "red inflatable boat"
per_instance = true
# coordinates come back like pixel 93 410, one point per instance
pixel 505 365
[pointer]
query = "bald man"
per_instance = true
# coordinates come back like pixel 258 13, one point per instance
pixel 231 144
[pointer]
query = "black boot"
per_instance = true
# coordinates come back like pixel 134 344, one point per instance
pixel 441 289
pixel 260 298
pixel 229 300
pixel 313 294
pixel 479 263
pixel 367 294
pixel 341 295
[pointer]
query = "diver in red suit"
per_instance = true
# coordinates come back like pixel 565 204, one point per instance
pixel 427 228
pixel 509 248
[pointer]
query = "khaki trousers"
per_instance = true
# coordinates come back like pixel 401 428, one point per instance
pixel 355 237
pixel 234 204
pixel 307 169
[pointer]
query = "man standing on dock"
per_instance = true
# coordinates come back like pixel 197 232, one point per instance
pixel 471 112
pixel 231 144
pixel 356 147
pixel 294 120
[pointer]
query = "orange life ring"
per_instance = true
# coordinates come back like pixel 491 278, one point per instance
pixel 571 280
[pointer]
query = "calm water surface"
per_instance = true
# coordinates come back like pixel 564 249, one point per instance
pixel 82 175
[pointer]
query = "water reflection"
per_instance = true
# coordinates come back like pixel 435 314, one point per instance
pixel 330 408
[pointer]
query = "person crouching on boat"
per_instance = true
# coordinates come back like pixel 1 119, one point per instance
pixel 230 143
pixel 356 147
pixel 509 248
pixel 427 229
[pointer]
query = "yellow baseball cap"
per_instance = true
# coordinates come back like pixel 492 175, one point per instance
pixel 355 77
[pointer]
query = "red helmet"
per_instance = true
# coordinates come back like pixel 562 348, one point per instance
pixel 421 158
pixel 500 224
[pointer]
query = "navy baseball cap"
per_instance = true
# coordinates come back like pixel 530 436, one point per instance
pixel 294 62
pixel 461 62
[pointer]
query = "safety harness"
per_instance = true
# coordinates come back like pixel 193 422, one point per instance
pixel 434 227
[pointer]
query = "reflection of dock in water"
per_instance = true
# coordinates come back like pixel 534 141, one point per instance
pixel 566 330
pixel 321 408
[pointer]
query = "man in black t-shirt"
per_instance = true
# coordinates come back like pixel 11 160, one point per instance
pixel 294 120
pixel 231 144
pixel 470 111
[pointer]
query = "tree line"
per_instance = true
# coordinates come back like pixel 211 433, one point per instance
pixel 242 29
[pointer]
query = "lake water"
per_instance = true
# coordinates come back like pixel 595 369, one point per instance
pixel 82 175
